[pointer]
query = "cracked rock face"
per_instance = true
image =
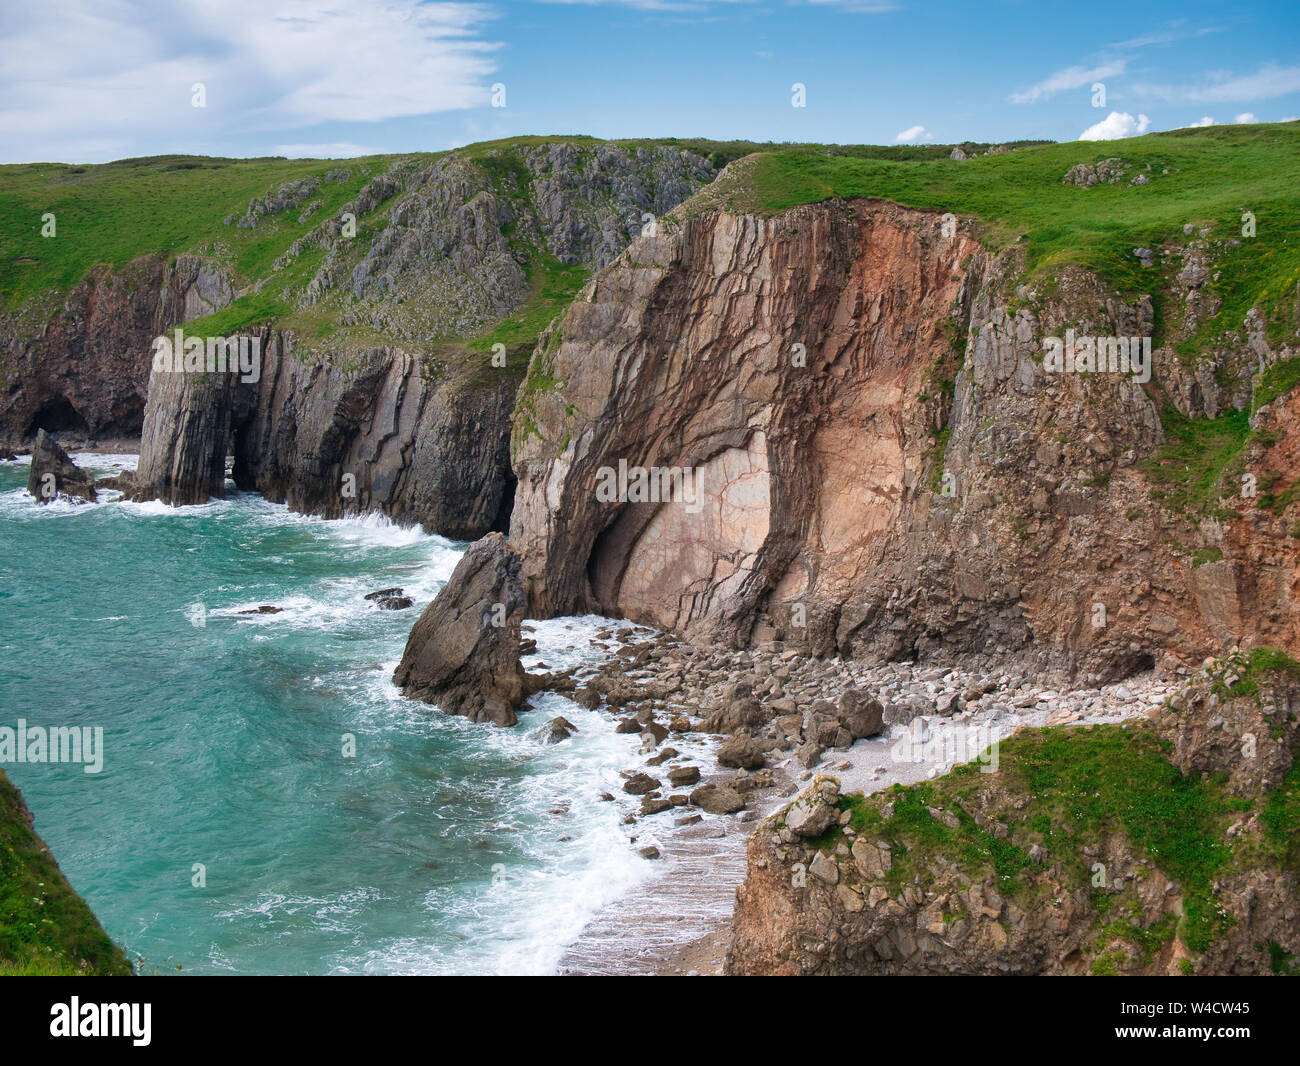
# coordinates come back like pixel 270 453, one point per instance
pixel 770 358
pixel 382 436
pixel 857 449
pixel 463 653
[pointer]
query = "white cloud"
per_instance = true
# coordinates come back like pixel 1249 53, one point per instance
pixel 1116 125
pixel 1269 82
pixel 120 73
pixel 1206 121
pixel 913 134
pixel 1067 79
pixel 1244 117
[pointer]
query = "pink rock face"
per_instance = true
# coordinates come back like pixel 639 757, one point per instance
pixel 684 553
pixel 887 467
pixel 779 359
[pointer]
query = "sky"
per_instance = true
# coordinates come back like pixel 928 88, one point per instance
pixel 89 81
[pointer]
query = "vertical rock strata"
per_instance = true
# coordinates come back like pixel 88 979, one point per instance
pixel 886 468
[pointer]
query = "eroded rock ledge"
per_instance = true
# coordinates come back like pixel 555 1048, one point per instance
pixel 1086 851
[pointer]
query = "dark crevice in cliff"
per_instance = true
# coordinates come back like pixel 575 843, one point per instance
pixel 56 416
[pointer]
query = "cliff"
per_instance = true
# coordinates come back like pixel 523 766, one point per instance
pixel 887 466
pixel 388 373
pixel 1150 849
pixel 45 927
pixel 83 372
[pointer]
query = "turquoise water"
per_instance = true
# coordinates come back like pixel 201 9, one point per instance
pixel 438 848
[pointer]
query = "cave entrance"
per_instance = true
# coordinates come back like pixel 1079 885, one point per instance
pixel 57 416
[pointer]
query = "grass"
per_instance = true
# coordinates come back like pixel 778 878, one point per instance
pixel 1214 174
pixel 1278 379
pixel 110 214
pixel 1261 663
pixel 45 927
pixel 552 286
pixel 1067 790
pixel 1189 469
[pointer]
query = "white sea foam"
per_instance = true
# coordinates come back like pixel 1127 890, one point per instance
pixel 535 906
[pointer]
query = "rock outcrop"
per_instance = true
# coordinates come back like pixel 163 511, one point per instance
pixel 82 370
pixel 851 444
pixel 186 435
pixel 1080 851
pixel 463 653
pixel 54 474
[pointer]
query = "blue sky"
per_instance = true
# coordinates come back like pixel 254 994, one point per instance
pixel 93 80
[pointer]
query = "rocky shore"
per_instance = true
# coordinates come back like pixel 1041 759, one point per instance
pixel 728 737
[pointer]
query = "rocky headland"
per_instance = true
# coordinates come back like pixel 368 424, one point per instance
pixel 976 643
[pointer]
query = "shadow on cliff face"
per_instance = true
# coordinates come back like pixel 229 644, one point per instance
pixel 57 416
pixel 501 523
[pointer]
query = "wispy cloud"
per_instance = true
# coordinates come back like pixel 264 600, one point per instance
pixel 913 134
pixel 1268 83
pixel 1175 31
pixel 1065 80
pixel 123 72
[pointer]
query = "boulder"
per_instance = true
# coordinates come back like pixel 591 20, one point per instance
pixel 559 728
pixel 742 752
pixel 824 869
pixel 54 474
pixel 861 714
pixel 681 776
pixel 812 813
pixel 463 653
pixel 718 799
pixel 736 710
pixel 392 599
pixel 640 784
pixel 123 482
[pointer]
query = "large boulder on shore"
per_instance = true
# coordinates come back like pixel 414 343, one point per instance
pixel 463 652
pixel 54 473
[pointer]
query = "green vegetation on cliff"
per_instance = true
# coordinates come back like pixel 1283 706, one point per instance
pixel 109 214
pixel 45 927
pixel 1191 177
pixel 1095 812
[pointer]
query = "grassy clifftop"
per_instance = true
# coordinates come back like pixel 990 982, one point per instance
pixel 1190 177
pixel 45 927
